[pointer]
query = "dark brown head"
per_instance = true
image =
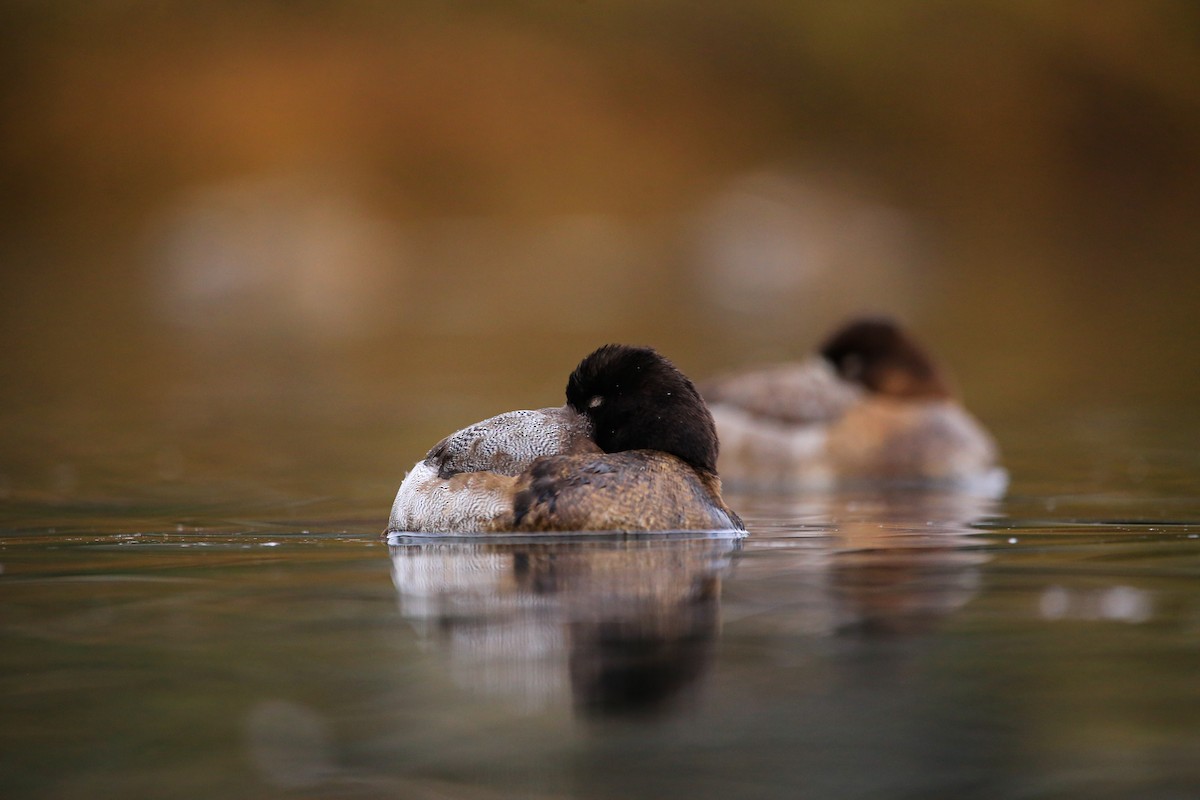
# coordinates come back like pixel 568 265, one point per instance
pixel 638 400
pixel 877 354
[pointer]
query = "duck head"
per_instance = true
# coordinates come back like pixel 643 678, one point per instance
pixel 637 400
pixel 879 355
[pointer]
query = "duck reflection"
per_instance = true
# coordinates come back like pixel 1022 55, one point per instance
pixel 615 626
pixel 870 564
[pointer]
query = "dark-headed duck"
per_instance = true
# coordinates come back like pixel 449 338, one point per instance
pixel 634 448
pixel 870 407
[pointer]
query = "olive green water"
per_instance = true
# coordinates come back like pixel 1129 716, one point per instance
pixel 263 640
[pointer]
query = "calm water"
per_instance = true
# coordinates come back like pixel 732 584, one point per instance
pixel 236 631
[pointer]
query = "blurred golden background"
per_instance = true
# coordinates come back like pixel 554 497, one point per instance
pixel 371 222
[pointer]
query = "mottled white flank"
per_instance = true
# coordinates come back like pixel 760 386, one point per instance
pixel 466 502
pixel 508 443
pixel 466 481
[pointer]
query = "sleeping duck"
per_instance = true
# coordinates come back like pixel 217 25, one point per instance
pixel 870 407
pixel 634 448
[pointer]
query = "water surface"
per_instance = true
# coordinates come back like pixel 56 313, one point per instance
pixel 260 638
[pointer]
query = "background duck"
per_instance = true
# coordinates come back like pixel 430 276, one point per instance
pixel 871 406
pixel 634 448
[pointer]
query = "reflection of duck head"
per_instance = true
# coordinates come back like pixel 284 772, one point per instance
pixel 626 625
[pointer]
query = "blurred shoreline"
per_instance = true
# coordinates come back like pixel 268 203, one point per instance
pixel 223 215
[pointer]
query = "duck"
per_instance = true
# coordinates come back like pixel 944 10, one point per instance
pixel 870 407
pixel 634 448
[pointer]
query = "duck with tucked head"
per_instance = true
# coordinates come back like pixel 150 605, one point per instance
pixel 634 448
pixel 870 407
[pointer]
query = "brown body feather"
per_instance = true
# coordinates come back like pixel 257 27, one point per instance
pixel 631 490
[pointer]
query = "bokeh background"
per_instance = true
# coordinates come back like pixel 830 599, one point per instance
pixel 255 255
